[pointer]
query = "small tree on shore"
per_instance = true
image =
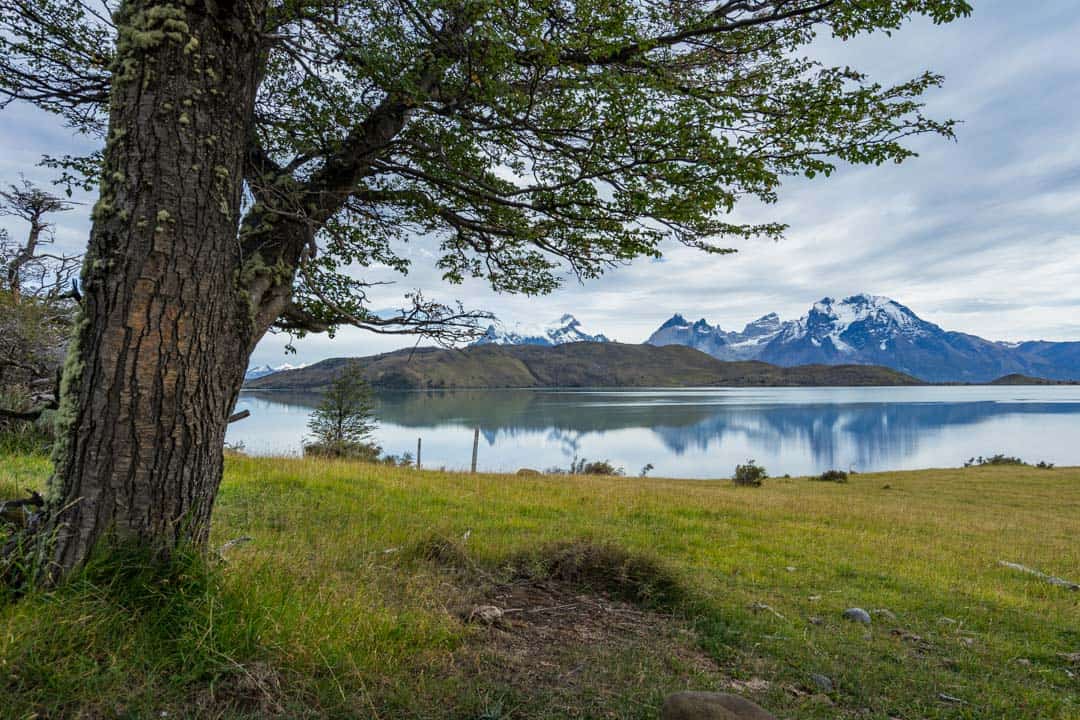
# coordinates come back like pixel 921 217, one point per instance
pixel 343 422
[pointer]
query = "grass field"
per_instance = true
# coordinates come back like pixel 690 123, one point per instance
pixel 350 597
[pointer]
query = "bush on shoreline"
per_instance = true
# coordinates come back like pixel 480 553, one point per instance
pixel 749 475
pixel 1002 459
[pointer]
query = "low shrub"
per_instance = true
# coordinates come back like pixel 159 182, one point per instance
pixel 581 466
pixel 1002 459
pixel 598 467
pixel 751 474
pixel 368 452
pixel 836 476
pixel 999 459
pixel 403 460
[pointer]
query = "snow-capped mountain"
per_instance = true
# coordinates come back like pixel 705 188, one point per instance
pixel 714 340
pixel 259 371
pixel 566 329
pixel 872 330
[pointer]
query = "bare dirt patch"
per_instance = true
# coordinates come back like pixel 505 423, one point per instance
pixel 581 653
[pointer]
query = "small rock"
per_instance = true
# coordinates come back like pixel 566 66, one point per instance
pixel 790 568
pixel 759 606
pixel 821 699
pixel 886 487
pixel 528 472
pixel 710 706
pixel 857 615
pixel 1023 661
pixel 815 620
pixel 486 614
pixel 951 699
pixel 823 682
pixel 885 613
pixel 235 542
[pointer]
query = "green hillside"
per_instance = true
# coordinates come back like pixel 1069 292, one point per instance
pixel 573 365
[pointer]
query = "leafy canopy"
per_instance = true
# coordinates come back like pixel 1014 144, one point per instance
pixel 528 137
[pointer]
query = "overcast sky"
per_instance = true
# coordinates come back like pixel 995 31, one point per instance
pixel 980 235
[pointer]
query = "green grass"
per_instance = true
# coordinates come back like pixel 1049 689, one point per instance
pixel 343 604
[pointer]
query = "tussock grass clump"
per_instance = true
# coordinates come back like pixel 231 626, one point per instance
pixel 835 476
pixel 162 630
pixel 604 568
pixel 441 550
pixel 590 566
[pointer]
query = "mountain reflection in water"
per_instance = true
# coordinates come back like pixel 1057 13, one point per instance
pixel 703 432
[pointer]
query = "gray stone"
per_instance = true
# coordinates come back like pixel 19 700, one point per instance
pixel 857 615
pixel 486 614
pixel 885 613
pixel 710 706
pixel 823 682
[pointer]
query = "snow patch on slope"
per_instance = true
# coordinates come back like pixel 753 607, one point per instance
pixel 566 329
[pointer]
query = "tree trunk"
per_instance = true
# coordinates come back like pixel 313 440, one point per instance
pixel 24 256
pixel 166 327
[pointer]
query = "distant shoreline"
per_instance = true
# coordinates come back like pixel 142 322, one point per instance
pixel 593 366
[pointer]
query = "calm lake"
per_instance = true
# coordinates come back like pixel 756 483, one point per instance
pixel 701 432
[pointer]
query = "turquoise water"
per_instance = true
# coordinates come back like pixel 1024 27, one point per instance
pixel 701 432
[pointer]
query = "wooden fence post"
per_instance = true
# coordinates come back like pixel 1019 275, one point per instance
pixel 418 453
pixel 475 446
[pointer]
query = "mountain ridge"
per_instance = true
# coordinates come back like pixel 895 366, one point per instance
pixel 874 330
pixel 567 329
pixel 578 364
pixel 257 371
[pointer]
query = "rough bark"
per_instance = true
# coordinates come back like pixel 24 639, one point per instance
pixel 167 323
